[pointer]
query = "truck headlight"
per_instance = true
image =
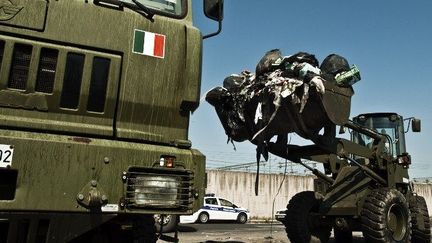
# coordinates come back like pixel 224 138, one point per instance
pixel 156 191
pixel 158 188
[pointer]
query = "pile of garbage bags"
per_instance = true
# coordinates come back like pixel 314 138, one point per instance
pixel 285 94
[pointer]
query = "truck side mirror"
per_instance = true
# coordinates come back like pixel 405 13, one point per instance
pixel 213 9
pixel 416 125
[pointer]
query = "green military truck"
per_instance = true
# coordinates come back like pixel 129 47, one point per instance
pixel 95 99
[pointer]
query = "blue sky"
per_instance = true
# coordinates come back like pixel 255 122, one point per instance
pixel 389 41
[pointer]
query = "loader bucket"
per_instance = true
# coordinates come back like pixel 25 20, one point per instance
pixel 337 103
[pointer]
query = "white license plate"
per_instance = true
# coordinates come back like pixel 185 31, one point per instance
pixel 6 154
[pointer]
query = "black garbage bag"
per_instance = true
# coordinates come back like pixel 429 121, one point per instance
pixel 231 113
pixel 234 83
pixel 332 65
pixel 265 65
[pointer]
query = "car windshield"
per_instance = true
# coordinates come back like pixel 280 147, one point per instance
pixel 170 7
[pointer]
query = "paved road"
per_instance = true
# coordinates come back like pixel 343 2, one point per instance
pixel 236 233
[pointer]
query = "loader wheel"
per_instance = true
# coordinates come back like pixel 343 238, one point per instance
pixel 300 224
pixel 385 217
pixel 420 221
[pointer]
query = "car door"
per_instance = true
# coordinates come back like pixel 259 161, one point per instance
pixel 212 208
pixel 228 210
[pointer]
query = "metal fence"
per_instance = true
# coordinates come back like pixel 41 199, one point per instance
pixel 275 166
pixel 427 180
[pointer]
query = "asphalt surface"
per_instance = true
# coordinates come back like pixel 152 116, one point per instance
pixel 237 233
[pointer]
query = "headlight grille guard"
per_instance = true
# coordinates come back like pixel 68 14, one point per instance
pixel 159 188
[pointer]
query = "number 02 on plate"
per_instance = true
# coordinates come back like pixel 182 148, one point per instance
pixel 6 154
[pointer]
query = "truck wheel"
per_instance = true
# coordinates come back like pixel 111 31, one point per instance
pixel 343 236
pixel 203 218
pixel 144 229
pixel 168 223
pixel 300 226
pixel 420 221
pixel 385 217
pixel 242 218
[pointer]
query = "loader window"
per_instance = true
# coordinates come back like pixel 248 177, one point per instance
pixel 393 130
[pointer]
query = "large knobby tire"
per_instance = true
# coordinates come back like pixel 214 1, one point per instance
pixel 203 217
pixel 385 217
pixel 299 225
pixel 242 218
pixel 420 221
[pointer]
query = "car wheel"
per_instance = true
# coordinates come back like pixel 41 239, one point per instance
pixel 168 223
pixel 203 218
pixel 242 218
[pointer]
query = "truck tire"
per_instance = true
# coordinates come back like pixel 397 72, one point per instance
pixel 203 217
pixel 343 236
pixel 299 225
pixel 144 229
pixel 168 224
pixel 420 221
pixel 385 217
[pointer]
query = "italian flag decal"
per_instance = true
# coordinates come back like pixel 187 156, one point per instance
pixel 149 44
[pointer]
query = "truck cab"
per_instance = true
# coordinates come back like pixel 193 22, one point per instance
pixel 95 100
pixel 391 125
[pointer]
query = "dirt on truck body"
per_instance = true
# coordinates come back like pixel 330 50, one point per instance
pixel 95 99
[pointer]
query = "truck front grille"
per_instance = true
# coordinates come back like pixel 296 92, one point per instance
pixel 20 66
pixel 98 84
pixel 2 45
pixel 72 81
pixel 47 70
pixel 77 79
pixel 150 188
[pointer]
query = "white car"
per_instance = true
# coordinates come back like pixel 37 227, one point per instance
pixel 216 208
pixel 280 215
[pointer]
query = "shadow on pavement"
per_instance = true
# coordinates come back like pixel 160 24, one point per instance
pixel 356 239
pixel 186 228
pixel 230 241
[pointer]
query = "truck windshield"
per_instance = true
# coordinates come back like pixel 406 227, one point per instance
pixel 166 7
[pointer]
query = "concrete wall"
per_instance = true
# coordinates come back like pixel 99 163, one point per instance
pixel 239 187
pixel 425 190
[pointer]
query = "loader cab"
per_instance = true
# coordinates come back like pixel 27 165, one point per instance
pixel 391 125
